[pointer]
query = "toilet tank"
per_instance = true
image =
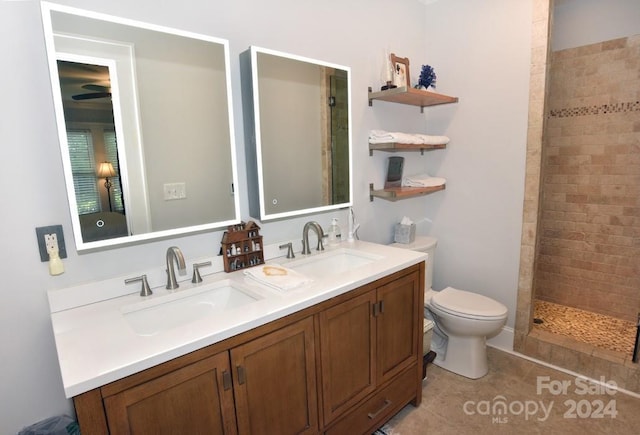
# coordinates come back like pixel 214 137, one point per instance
pixel 423 244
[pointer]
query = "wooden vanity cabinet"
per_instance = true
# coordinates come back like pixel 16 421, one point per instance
pixel 264 386
pixel 367 342
pixel 399 320
pixel 196 399
pixel 348 349
pixel 342 366
pixel 275 382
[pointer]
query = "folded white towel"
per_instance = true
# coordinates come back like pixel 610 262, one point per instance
pixel 433 140
pixel 381 140
pixel 407 138
pixel 387 137
pixel 422 180
pixel 381 136
pixel 277 277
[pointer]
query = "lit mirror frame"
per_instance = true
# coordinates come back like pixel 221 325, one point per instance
pixel 256 149
pixel 229 187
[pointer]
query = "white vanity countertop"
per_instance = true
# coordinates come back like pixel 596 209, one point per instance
pixel 97 345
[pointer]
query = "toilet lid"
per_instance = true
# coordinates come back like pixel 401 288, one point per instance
pixel 461 303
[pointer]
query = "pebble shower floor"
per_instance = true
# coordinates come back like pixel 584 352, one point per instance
pixel 596 329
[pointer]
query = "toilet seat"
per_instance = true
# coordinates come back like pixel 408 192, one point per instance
pixel 468 305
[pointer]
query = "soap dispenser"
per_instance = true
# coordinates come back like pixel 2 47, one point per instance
pixel 334 232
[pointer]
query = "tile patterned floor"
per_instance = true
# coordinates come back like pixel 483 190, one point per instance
pixel 596 329
pixel 455 405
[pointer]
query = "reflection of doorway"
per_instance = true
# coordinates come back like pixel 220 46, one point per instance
pixel 90 133
pixel 118 58
pixel 339 134
pixel 86 98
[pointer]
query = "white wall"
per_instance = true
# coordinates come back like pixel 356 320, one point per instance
pixel 480 51
pixel 583 22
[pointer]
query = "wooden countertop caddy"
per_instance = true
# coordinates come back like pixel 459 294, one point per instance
pixel 242 246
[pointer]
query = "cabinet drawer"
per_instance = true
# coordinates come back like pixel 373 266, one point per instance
pixel 379 407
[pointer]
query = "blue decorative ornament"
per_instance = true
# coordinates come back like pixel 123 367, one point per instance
pixel 427 77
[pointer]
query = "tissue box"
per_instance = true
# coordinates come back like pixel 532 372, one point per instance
pixel 404 233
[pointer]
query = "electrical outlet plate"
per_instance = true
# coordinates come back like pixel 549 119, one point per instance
pixel 51 229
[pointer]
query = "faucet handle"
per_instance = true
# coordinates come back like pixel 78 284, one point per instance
pixel 146 290
pixel 290 253
pixel 196 271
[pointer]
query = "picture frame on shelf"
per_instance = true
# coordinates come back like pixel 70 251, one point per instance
pixel 400 70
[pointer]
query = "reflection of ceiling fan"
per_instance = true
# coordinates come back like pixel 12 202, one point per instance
pixel 99 91
pixel 78 78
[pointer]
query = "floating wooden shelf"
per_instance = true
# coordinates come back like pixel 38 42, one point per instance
pixel 396 193
pixel 411 96
pixel 393 147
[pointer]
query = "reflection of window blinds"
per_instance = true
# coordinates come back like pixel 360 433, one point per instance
pixel 111 151
pixel 84 173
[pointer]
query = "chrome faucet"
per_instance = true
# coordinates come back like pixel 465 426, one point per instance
pixel 174 254
pixel 305 237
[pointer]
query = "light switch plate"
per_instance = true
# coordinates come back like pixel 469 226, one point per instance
pixel 174 191
pixel 51 229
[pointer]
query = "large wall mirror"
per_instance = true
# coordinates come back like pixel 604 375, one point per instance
pixel 145 127
pixel 298 133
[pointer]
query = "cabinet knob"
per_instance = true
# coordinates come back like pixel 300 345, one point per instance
pixel 378 308
pixel 241 375
pixel 226 380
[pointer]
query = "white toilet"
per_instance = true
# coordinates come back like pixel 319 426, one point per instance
pixel 463 320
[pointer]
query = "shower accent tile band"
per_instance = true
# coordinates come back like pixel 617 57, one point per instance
pixel 595 110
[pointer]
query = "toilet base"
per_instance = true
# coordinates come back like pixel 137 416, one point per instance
pixel 465 356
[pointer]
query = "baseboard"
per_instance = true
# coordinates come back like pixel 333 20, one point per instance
pixel 504 339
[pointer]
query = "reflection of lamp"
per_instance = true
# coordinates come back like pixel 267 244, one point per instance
pixel 106 171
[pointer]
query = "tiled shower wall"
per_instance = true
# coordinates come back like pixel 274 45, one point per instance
pixel 589 235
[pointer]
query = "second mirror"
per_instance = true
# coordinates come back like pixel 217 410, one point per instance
pixel 298 134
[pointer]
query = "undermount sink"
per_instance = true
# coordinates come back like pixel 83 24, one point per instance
pixel 332 262
pixel 186 306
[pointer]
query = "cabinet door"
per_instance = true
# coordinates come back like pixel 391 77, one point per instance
pixel 347 353
pixel 196 399
pixel 275 382
pixel 398 316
